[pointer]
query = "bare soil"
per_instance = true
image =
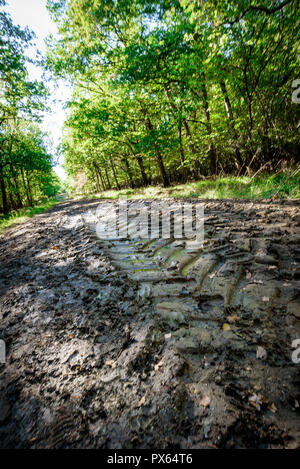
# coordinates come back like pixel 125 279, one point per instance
pixel 151 343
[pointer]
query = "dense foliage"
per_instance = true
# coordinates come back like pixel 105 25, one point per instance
pixel 169 90
pixel 25 163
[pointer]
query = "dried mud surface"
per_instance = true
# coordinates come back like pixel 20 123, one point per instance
pixel 151 344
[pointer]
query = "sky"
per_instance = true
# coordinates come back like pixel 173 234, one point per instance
pixel 34 14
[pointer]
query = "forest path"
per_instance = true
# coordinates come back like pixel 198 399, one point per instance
pixel 151 343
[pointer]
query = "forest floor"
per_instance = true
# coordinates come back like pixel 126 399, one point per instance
pixel 151 343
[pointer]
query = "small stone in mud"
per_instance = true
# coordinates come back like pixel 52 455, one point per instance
pixel 265 259
pixel 218 379
pixel 261 353
pixel 173 316
pixel 187 344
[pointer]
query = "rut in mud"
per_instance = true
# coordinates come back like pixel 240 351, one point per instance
pixel 152 343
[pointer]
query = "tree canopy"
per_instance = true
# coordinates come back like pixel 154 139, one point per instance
pixel 25 163
pixel 167 90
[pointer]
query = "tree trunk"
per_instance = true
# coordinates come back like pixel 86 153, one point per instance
pixel 12 201
pixel 107 178
pixel 100 174
pixel 187 129
pixel 212 151
pixel 192 148
pixel 102 179
pixel 26 187
pixel 142 169
pixel 16 187
pixel 30 192
pixel 182 155
pixel 114 173
pixel 159 157
pixel 128 171
pixel 162 170
pixel 98 186
pixel 19 199
pixel 230 117
pixel 3 192
pixel 140 161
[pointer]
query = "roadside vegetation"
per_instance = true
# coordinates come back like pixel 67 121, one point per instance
pixel 19 216
pixel 285 185
pixel 165 92
pixel 26 174
pixel 169 98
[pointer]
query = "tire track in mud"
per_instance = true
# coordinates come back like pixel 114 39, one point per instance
pixel 239 270
pixel 222 301
pixel 121 343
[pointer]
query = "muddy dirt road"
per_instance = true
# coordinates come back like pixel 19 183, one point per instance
pixel 151 343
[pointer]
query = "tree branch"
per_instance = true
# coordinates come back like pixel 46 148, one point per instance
pixel 268 11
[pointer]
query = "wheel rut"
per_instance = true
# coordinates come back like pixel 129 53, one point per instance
pixel 151 343
pixel 215 287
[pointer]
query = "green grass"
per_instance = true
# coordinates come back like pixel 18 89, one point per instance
pixel 264 186
pixel 19 216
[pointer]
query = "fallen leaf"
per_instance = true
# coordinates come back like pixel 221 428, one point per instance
pixel 261 353
pixel 195 388
pixel 142 401
pixel 272 407
pixel 255 405
pixel 226 327
pixel 255 401
pixel 233 319
pixel 111 363
pixel 158 365
pixel 264 400
pixel 56 248
pixel 205 401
